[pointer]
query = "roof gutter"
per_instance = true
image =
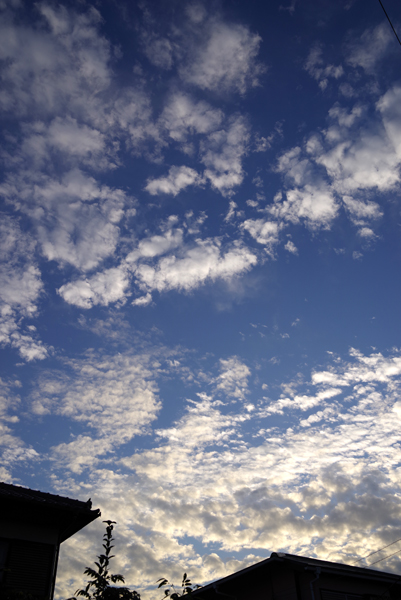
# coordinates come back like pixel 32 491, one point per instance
pixel 318 570
pixel 215 587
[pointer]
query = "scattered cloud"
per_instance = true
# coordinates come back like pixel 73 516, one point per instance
pixel 291 247
pixel 76 219
pixel 226 60
pixel 195 264
pixel 233 379
pixel 222 153
pixel 315 489
pixel 183 117
pixel 104 288
pixel 114 398
pixel 21 287
pixel 264 232
pixel 371 47
pixel 178 179
pixel 315 66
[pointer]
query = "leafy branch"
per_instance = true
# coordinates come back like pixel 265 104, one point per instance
pixel 99 586
pixel 186 587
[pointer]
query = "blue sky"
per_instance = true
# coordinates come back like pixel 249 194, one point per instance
pixel 200 217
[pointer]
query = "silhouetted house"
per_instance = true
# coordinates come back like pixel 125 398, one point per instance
pixel 290 577
pixel 32 526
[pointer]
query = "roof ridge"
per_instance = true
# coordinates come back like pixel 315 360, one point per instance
pixel 16 491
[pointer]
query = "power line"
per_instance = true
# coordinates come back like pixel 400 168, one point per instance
pixel 388 19
pixel 380 559
pixel 379 550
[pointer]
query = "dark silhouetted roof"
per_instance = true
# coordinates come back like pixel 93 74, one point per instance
pixel 257 573
pixel 49 510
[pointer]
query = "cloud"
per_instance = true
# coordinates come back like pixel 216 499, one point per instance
pixel 114 398
pixel 359 154
pixel 313 204
pixel 222 153
pixel 104 288
pixel 163 262
pixel 182 117
pixel 38 63
pixel 225 61
pixel 66 141
pixel 76 219
pixel 20 289
pixel 142 300
pixel 369 161
pixel 370 49
pixel 319 71
pixel 233 379
pixel 158 50
pixel 204 261
pixel 263 231
pixel 177 180
pixel 312 482
pixel 228 479
pixel 389 108
pixel 291 247
pixel 155 245
pixel 12 449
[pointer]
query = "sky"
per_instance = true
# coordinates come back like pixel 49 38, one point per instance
pixel 200 242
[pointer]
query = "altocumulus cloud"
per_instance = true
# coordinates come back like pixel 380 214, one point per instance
pixel 312 489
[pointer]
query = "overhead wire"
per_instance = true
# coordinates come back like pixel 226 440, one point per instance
pixel 380 559
pixel 376 551
pixel 389 20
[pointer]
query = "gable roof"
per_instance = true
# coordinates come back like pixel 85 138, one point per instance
pixel 50 510
pixel 256 573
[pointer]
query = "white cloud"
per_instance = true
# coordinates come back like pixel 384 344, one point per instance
pixel 366 232
pixel 76 218
pixel 68 140
pixel 226 60
pixel 113 397
pixel 314 204
pixel 358 155
pixel 12 449
pixel 222 153
pixel 156 245
pixel 158 50
pixel 291 247
pixel 177 180
pixel 46 68
pixel 369 161
pixel 142 300
pixel 263 231
pixel 130 116
pixel 362 210
pixel 20 289
pixel 233 378
pixel 389 108
pixel 104 288
pixel 344 117
pixel 187 265
pixel 318 70
pixel 231 211
pixel 195 265
pixel 183 117
pixel 322 488
pixel 370 48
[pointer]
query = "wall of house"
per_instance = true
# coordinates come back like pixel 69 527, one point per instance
pixel 30 567
pixel 326 585
pixel 284 585
pixel 28 555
